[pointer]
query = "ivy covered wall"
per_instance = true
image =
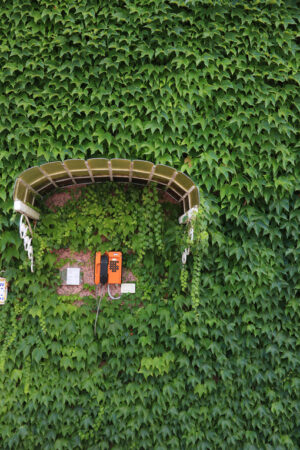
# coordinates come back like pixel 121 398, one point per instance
pixel 211 88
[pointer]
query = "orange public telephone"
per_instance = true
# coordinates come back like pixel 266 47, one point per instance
pixel 108 268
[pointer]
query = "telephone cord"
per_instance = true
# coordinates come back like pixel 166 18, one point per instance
pixel 98 307
pixel 113 298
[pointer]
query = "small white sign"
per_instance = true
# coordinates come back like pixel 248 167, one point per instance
pixel 73 276
pixel 127 288
pixel 3 291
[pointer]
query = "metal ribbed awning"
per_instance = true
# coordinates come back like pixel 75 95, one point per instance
pixel 40 180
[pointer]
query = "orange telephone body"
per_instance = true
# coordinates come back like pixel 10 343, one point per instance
pixel 114 267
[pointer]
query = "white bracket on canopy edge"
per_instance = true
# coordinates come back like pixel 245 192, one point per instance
pixel 22 208
pixel 186 217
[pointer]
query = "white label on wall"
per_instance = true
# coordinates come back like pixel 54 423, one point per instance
pixel 3 291
pixel 127 288
pixel 73 276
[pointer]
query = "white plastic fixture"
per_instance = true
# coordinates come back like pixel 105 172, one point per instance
pixel 22 208
pixel 127 288
pixel 3 291
pixel 186 217
pixel 71 276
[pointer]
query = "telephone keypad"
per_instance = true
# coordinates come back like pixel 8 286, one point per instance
pixel 113 266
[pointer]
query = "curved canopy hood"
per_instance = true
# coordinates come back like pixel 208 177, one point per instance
pixel 40 180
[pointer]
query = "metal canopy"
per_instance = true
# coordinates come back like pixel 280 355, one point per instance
pixel 38 181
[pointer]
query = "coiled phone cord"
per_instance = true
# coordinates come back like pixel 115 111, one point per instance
pixel 113 298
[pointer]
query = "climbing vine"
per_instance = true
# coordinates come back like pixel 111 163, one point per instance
pixel 104 217
pixel 196 240
pixel 210 88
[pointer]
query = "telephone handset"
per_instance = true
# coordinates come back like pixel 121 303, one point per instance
pixel 108 268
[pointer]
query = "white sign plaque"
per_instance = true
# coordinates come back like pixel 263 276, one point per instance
pixel 3 291
pixel 73 276
pixel 127 288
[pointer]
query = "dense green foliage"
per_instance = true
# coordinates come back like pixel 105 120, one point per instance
pixel 126 216
pixel 210 88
